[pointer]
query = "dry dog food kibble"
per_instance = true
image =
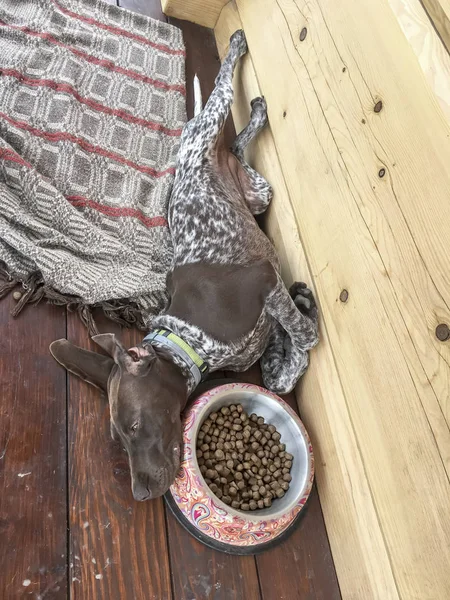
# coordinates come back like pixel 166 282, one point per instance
pixel 242 459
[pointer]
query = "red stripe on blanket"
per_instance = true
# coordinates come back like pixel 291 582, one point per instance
pixel 111 211
pixel 80 201
pixel 68 89
pixel 118 31
pixel 61 136
pixel 13 157
pixel 107 64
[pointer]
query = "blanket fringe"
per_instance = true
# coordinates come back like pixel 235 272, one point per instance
pixel 125 312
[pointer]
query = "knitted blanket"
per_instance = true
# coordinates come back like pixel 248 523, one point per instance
pixel 92 103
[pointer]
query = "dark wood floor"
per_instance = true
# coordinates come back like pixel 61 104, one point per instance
pixel 68 524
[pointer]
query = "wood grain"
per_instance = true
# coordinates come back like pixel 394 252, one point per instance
pixel 33 516
pixel 199 572
pixel 431 53
pixel 201 12
pixel 382 237
pixel 118 547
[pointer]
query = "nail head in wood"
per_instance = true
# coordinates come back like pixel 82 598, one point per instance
pixel 343 296
pixel 378 106
pixel 381 172
pixel 303 33
pixel 443 332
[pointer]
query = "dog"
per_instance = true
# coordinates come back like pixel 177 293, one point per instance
pixel 228 305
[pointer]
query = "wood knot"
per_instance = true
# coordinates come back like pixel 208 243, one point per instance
pixel 343 69
pixel 343 296
pixel 382 172
pixel 284 114
pixel 378 106
pixel 443 332
pixel 303 34
pixel 363 121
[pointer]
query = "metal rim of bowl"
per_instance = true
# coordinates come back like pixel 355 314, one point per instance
pixel 197 416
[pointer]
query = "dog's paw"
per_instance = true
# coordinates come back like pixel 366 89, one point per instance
pixel 239 42
pixel 304 299
pixel 259 109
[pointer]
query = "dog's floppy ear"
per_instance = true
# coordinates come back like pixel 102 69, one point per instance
pixel 110 344
pixel 135 361
pixel 89 366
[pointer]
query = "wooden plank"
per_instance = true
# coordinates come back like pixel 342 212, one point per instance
pixel 118 547
pixel 382 237
pixel 439 14
pixel 33 512
pixel 202 12
pixel 355 536
pixel 301 568
pixel 150 8
pixel 431 53
pixel 197 571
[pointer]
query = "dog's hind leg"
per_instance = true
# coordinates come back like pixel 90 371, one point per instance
pixel 294 332
pixel 207 126
pixel 258 120
pixel 258 192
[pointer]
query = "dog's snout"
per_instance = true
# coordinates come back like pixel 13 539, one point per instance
pixel 141 495
pixel 141 487
pixel 146 486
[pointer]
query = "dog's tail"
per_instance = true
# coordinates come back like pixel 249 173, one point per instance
pixel 198 104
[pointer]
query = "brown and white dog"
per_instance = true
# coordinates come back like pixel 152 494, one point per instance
pixel 228 307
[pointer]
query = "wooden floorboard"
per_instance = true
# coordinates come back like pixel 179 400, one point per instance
pixel 200 573
pixel 206 573
pixel 118 547
pixel 33 512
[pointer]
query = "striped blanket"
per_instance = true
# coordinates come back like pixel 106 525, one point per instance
pixel 92 103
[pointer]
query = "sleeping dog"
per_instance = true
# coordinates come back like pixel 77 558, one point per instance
pixel 228 307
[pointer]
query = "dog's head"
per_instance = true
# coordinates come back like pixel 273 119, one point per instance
pixel 146 393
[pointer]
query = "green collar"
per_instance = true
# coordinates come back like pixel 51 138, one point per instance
pixel 196 365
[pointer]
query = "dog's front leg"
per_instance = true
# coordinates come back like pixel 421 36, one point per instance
pixel 294 333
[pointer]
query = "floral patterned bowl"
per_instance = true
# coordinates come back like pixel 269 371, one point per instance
pixel 214 522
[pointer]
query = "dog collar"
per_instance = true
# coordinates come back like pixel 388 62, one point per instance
pixel 197 367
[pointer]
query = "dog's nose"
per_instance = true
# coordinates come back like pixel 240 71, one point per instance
pixel 141 494
pixel 141 489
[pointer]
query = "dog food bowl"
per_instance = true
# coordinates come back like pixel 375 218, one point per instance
pixel 212 521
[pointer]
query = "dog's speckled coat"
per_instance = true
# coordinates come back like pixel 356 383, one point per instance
pixel 212 222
